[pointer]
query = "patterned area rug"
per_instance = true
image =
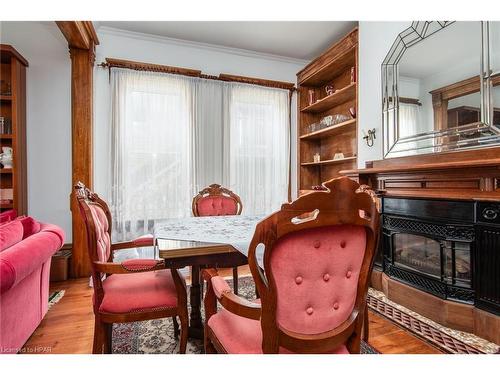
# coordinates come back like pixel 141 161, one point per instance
pixel 157 336
pixel 55 297
pixel 447 339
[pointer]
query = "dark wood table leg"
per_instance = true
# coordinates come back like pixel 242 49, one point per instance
pixel 195 323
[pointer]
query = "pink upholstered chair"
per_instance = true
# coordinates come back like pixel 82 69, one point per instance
pixel 319 253
pixel 216 200
pixel 134 290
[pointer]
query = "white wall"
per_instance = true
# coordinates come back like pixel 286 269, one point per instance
pixel 375 40
pixel 209 59
pixel 48 118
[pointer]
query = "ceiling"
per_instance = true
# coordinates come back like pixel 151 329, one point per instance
pixel 303 40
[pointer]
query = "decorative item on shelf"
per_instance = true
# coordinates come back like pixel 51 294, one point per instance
pixel 353 75
pixel 370 137
pixel 5 126
pixel 5 88
pixel 314 127
pixel 319 187
pixel 6 194
pixel 316 158
pixel 330 89
pixel 327 120
pixel 312 97
pixel 352 111
pixel 338 155
pixel 6 157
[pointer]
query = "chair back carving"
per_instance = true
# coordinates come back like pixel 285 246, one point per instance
pixel 97 218
pixel 216 200
pixel 319 253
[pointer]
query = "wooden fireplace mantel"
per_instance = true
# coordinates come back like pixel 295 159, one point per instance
pixel 458 175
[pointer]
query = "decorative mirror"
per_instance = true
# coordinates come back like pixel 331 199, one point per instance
pixel 440 89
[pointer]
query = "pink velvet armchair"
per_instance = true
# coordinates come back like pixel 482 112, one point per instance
pixel 319 253
pixel 133 290
pixel 216 200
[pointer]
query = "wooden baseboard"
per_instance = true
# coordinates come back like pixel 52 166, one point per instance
pixel 450 314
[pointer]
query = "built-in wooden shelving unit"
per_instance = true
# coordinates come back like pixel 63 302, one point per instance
pixel 334 67
pixel 13 181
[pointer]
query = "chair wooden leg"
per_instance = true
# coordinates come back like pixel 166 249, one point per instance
pixel 208 346
pixel 176 326
pixel 366 330
pixel 99 332
pixel 184 332
pixel 108 336
pixel 235 280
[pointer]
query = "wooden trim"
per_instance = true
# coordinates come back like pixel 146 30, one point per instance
pixel 79 34
pixel 8 49
pixel 142 66
pixel 82 40
pixel 408 101
pixel 464 87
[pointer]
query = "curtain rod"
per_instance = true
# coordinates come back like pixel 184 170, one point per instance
pixel 141 66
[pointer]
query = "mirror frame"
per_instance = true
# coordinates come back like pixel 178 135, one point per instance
pixel 416 33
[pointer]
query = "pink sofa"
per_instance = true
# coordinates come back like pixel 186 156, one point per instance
pixel 26 248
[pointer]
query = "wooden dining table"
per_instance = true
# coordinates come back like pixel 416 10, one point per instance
pixel 204 242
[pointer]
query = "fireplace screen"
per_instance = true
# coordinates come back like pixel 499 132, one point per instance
pixel 448 261
pixel 417 253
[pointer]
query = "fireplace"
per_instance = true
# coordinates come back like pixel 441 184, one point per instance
pixel 450 249
pixel 429 245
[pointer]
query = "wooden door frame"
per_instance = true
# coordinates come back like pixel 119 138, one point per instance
pixel 82 39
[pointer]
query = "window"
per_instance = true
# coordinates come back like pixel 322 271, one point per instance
pixel 173 135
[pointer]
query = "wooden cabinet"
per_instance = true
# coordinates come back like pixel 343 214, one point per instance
pixel 328 87
pixel 13 181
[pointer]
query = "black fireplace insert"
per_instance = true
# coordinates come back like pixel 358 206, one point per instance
pixel 441 246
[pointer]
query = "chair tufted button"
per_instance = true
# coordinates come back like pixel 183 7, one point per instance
pixel 348 274
pixel 298 280
pixel 336 306
pixel 326 277
pixel 309 310
pixel 342 244
pixel 317 244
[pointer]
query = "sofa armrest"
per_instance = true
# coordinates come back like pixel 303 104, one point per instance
pixel 23 258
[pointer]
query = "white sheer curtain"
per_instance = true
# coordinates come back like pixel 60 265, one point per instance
pixel 151 150
pixel 258 138
pixel 409 120
pixel 174 135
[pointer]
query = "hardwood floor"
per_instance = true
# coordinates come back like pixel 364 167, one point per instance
pixel 68 327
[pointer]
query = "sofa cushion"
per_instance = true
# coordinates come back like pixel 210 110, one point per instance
pixel 7 216
pixel 30 226
pixel 10 234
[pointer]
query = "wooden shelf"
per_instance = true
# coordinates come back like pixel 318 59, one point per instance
pixel 332 67
pixel 328 162
pixel 339 97
pixel 327 132
pixel 13 106
pixel 335 66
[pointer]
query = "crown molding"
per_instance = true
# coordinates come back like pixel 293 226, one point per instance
pixel 187 43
